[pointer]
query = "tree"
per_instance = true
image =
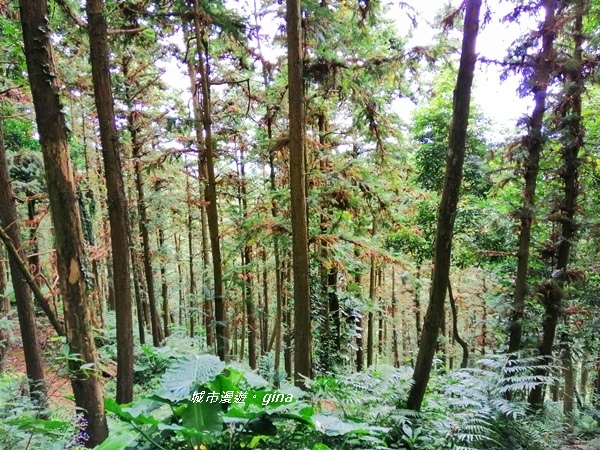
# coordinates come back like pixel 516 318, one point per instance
pixel 448 205
pixel 116 202
pixel 65 215
pixel 222 332
pixel 11 230
pixel 534 144
pixel 552 290
pixel 302 322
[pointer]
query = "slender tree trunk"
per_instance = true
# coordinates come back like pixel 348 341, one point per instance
pixel 370 318
pixel 164 285
pixel 264 335
pixel 448 205
pixel 569 391
pixel 287 320
pixel 190 240
pixel 181 289
pixel 211 194
pixel 4 306
pixel 360 354
pixel 117 202
pixel 455 336
pixel 139 303
pixel 133 119
pixel 65 215
pixel 584 378
pixel 394 325
pixel 417 303
pixel 570 110
pixel 247 272
pixel 302 321
pixel 15 256
pixel 10 222
pixel 34 248
pixel 535 143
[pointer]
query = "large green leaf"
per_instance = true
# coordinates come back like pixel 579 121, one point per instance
pixel 182 377
pixel 129 414
pixel 117 442
pixel 334 426
pixel 203 417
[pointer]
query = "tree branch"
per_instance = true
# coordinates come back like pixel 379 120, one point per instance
pixel 37 293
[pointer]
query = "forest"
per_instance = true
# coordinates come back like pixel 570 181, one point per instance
pixel 292 224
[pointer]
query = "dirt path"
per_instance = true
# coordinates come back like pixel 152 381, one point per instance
pixel 59 385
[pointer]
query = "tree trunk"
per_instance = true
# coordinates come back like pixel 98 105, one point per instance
pixel 181 288
pixel 4 308
pixel 264 335
pixel 570 110
pixel 569 392
pixel 116 201
pixel 394 325
pixel 417 303
pixel 302 320
pixel 455 336
pixel 65 216
pixel 370 317
pixel 164 285
pixel 360 354
pixel 247 272
pixel 10 222
pixel 139 302
pixel 535 143
pixel 211 194
pixel 133 118
pixel 448 205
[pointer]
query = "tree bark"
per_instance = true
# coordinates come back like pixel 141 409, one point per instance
pixel 448 205
pixel 535 143
pixel 302 320
pixel 455 334
pixel 133 125
pixel 4 310
pixel 9 220
pixel 417 303
pixel 65 215
pixel 164 286
pixel 116 201
pixel 247 272
pixel 222 331
pixel 571 126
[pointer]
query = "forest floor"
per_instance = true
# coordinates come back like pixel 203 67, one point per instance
pixel 60 393
pixel 57 380
pixel 591 445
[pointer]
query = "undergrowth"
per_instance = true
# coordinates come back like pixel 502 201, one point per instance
pixel 471 409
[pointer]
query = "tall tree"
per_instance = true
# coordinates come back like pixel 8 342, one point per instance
pixel 534 144
pixel 222 331
pixel 10 222
pixel 65 215
pixel 448 205
pixel 117 202
pixel 552 291
pixel 302 322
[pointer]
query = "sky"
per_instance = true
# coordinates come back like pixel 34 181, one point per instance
pixel 498 100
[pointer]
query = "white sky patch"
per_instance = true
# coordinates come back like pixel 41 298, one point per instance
pixel 497 99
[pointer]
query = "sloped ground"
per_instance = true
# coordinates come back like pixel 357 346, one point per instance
pixel 59 386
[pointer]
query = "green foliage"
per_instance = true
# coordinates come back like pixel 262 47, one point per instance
pixel 431 130
pixel 470 409
pixel 204 402
pixel 23 425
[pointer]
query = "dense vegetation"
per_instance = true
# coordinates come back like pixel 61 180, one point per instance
pixel 222 229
